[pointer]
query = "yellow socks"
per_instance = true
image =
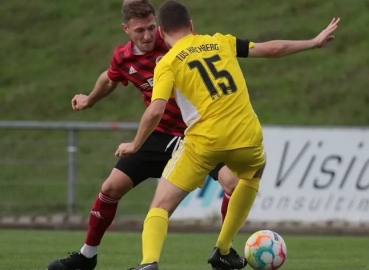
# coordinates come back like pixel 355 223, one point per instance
pixel 239 207
pixel 154 234
pixel 156 222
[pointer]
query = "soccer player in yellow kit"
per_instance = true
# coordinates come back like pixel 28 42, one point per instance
pixel 203 74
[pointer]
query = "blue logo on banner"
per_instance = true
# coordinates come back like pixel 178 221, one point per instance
pixel 206 194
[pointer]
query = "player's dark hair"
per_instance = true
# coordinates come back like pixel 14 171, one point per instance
pixel 137 9
pixel 173 16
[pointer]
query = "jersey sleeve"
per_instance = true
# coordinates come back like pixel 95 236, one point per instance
pixel 114 73
pixel 163 82
pixel 240 47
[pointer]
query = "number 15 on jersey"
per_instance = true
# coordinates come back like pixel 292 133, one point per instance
pixel 211 83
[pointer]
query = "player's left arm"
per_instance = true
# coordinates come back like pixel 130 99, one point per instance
pixel 280 48
pixel 162 90
pixel 239 47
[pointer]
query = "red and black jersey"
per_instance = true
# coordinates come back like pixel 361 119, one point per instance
pixel 125 66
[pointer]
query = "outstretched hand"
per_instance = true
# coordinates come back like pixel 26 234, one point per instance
pixel 326 35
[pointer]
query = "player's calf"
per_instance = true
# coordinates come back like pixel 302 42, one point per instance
pixel 101 216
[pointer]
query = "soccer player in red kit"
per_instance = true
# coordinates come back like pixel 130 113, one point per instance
pixel 134 62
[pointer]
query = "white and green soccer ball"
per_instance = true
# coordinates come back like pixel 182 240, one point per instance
pixel 265 250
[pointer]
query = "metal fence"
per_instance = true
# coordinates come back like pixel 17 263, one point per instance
pixel 58 167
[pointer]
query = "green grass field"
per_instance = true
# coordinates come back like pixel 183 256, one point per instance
pixel 51 51
pixel 32 250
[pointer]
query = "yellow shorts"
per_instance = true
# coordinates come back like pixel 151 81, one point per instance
pixel 191 164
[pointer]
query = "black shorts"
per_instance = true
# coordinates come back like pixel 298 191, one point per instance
pixel 150 160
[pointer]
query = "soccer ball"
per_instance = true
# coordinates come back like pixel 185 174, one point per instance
pixel 265 250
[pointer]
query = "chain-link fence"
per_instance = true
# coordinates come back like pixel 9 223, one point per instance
pixel 48 168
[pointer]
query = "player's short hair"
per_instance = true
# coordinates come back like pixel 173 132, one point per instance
pixel 173 16
pixel 137 9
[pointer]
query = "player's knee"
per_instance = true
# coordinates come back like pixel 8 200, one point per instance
pixel 168 196
pixel 227 180
pixel 117 184
pixel 163 203
pixel 231 185
pixel 165 206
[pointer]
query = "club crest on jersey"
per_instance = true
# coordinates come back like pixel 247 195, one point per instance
pixel 158 59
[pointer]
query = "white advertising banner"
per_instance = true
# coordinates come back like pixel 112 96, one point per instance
pixel 312 174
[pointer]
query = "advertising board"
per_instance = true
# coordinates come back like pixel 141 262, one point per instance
pixel 312 174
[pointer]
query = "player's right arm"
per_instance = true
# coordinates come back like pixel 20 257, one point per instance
pixel 103 87
pixel 105 84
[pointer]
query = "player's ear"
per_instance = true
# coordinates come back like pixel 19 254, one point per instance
pixel 125 28
pixel 191 26
pixel 161 32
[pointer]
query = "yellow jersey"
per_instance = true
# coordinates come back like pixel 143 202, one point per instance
pixel 203 74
